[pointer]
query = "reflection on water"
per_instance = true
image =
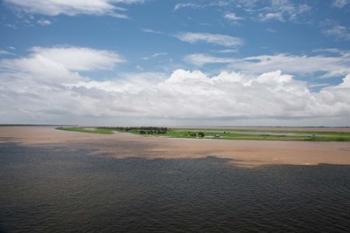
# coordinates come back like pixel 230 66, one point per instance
pixel 45 189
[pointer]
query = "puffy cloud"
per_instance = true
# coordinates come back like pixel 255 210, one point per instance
pixel 43 88
pixel 73 7
pixel 47 69
pixel 335 64
pixel 35 88
pixel 217 39
pixel 59 62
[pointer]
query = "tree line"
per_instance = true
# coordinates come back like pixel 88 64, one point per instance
pixel 143 130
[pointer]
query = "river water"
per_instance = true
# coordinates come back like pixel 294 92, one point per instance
pixel 63 189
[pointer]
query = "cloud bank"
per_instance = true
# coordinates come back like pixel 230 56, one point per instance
pixel 47 85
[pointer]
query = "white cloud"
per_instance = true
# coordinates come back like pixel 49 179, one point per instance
pixel 56 65
pixel 202 4
pixel 217 39
pixel 226 51
pixel 283 10
pixel 5 53
pixel 334 51
pixel 179 6
pixel 271 16
pixel 44 22
pixel 267 10
pixel 45 87
pixel 148 30
pixel 201 59
pixel 154 55
pixel 338 31
pixel 77 58
pixel 232 17
pixel 331 65
pixel 73 7
pixel 340 3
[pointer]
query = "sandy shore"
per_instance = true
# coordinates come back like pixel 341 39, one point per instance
pixel 241 153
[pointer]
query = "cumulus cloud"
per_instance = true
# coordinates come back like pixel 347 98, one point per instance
pixel 75 7
pixel 217 39
pixel 43 86
pixel 57 64
pixel 34 86
pixel 331 65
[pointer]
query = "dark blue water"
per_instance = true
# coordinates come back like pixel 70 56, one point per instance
pixel 52 189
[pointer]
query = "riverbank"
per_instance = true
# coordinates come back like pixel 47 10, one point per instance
pixel 248 133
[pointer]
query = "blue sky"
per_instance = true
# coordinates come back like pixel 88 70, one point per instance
pixel 117 58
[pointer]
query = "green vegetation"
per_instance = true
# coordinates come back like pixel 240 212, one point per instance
pixel 228 134
pixel 142 130
pixel 261 135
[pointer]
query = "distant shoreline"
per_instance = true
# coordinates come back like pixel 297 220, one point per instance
pixel 118 145
pixel 263 134
pixel 320 127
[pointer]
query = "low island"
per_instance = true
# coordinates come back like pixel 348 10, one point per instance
pixel 246 133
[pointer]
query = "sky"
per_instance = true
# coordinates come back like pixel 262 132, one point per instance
pixel 175 63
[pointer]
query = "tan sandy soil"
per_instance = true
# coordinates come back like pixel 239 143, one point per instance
pixel 242 153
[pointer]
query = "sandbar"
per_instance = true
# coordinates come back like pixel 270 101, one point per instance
pixel 237 152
